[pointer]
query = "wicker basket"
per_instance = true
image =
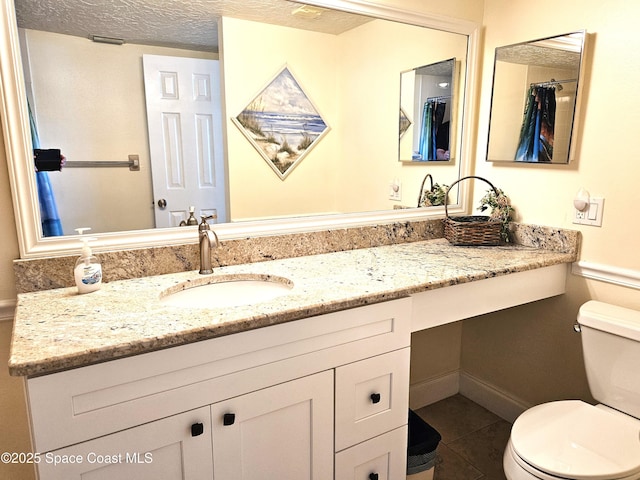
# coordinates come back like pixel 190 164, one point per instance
pixel 471 230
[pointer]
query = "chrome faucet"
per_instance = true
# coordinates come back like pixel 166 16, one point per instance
pixel 208 240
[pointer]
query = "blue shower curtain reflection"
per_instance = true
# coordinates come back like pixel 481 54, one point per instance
pixel 432 117
pixel 537 132
pixel 51 225
pixel 426 138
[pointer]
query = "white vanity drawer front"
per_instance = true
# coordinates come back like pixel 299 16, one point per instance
pixel 384 456
pixel 84 403
pixel 372 397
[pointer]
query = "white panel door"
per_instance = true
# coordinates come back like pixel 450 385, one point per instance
pixel 281 432
pixel 184 118
pixel 174 448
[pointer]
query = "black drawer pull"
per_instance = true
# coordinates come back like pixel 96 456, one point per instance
pixel 197 429
pixel 228 419
pixel 373 476
pixel 375 398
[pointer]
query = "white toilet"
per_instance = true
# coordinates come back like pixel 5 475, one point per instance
pixel 573 439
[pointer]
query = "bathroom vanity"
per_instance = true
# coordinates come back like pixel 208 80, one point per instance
pixel 311 384
pixel 238 405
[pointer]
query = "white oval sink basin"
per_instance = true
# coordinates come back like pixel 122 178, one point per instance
pixel 226 291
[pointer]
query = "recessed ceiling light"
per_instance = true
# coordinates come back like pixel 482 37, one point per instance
pixel 307 12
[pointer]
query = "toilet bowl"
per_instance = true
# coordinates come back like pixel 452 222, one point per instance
pixel 574 440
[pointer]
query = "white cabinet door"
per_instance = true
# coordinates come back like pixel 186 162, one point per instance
pixel 280 432
pixel 173 448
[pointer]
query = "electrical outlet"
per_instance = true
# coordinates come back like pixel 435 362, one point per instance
pixel 592 214
pixel 395 190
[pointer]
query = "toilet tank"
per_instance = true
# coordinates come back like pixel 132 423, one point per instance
pixel 611 348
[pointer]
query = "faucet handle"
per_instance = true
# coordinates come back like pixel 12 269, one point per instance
pixel 203 224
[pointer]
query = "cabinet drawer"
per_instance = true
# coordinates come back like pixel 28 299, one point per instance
pixel 372 397
pixel 384 456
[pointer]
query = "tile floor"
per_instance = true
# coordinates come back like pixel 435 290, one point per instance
pixel 473 439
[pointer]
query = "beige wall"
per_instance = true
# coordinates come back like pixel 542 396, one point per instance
pixel 369 161
pixel 531 351
pixel 13 417
pixel 254 53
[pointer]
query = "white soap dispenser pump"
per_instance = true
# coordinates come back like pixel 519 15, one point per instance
pixel 88 271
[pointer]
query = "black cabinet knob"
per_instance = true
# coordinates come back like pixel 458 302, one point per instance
pixel 197 429
pixel 228 419
pixel 373 476
pixel 375 397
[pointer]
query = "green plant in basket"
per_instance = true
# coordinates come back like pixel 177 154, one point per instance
pixel 501 211
pixel 434 197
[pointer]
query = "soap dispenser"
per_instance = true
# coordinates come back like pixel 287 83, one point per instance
pixel 88 271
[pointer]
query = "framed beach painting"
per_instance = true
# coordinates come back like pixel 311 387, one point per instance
pixel 282 123
pixel 405 122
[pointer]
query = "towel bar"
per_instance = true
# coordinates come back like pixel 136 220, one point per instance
pixel 133 163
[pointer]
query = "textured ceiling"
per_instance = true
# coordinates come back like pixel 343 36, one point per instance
pixel 179 23
pixel 539 56
pixel 557 52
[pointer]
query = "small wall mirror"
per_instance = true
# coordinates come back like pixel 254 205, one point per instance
pixel 427 112
pixel 533 104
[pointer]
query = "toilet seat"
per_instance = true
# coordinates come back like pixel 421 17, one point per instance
pixel 572 439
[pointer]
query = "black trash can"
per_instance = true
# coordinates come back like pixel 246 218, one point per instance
pixel 421 446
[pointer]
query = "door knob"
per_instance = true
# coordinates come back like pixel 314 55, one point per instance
pixel 375 397
pixel 373 476
pixel 162 203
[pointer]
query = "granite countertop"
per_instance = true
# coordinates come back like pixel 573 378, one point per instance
pixel 59 329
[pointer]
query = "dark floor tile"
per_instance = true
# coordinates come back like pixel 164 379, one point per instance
pixel 451 466
pixel 484 448
pixel 456 416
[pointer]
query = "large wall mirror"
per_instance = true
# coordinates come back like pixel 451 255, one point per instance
pixel 99 115
pixel 536 89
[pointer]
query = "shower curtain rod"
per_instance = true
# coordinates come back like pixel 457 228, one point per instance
pixel 441 97
pixel 552 82
pixel 133 163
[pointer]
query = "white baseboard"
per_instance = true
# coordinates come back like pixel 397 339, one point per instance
pixel 486 395
pixel 491 397
pixel 433 390
pixel 7 308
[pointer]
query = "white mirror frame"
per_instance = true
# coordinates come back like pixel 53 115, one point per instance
pixel 21 173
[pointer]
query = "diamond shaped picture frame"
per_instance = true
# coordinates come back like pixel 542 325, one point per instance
pixel 282 123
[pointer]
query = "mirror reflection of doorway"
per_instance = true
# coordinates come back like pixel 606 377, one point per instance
pixel 185 124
